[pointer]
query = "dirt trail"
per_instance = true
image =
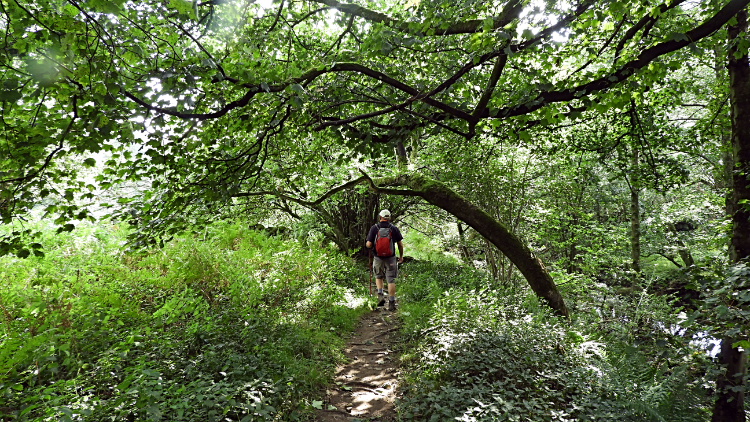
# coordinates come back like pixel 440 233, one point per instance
pixel 365 388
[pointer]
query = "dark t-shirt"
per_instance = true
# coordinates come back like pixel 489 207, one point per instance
pixel 395 233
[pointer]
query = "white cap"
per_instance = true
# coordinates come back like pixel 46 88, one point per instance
pixel 385 214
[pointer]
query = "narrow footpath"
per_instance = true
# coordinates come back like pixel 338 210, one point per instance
pixel 365 388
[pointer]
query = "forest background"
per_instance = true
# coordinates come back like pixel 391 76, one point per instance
pixel 571 176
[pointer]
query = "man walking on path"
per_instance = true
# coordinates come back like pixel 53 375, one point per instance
pixel 383 236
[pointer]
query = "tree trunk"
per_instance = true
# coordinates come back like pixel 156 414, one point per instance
pixel 509 244
pixel 729 406
pixel 739 94
pixel 683 251
pixel 464 250
pixel 401 158
pixel 573 251
pixel 350 217
pixel 635 214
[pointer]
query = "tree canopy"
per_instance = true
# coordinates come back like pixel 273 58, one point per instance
pixel 534 123
pixel 208 100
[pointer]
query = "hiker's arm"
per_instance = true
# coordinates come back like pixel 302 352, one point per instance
pixel 370 235
pixel 400 252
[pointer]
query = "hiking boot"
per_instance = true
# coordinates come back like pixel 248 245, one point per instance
pixel 391 305
pixel 381 299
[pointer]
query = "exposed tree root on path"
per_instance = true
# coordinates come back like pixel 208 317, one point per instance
pixel 365 388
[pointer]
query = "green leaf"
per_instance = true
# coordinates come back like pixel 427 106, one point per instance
pixel 318 404
pixel 386 47
pixel 66 228
pixel 184 7
pixel 10 95
pixel 678 36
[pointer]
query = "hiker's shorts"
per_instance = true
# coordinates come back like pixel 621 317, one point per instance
pixel 385 268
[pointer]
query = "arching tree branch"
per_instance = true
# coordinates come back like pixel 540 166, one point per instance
pixel 643 59
pixel 509 13
pixel 440 195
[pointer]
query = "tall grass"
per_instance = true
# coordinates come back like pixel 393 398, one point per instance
pixel 232 324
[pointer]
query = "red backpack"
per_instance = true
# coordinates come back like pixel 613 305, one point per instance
pixel 384 242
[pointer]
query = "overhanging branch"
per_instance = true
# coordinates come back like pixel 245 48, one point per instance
pixel 305 78
pixel 509 13
pixel 309 204
pixel 643 59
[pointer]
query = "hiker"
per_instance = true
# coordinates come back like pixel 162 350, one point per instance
pixel 383 236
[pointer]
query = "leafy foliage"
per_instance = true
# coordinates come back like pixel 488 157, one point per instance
pixel 496 355
pixel 235 325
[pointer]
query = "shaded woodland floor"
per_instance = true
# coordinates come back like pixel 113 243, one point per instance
pixel 366 387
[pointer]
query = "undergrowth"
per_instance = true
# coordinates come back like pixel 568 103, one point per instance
pixel 230 325
pixel 477 352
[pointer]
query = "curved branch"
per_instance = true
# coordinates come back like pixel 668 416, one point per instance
pixel 643 59
pixel 275 21
pixel 365 116
pixel 309 204
pixel 509 13
pixel 497 70
pixel 640 24
pixel 302 19
pixel 307 77
pixel 440 195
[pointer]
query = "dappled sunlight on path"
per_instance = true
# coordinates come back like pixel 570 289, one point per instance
pixel 365 388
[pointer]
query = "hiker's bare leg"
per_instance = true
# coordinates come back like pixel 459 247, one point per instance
pixel 391 289
pixel 379 283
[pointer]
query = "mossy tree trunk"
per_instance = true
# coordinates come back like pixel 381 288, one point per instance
pixel 440 195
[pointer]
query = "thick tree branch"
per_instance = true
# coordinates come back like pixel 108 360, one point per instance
pixel 509 13
pixel 473 118
pixel 439 194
